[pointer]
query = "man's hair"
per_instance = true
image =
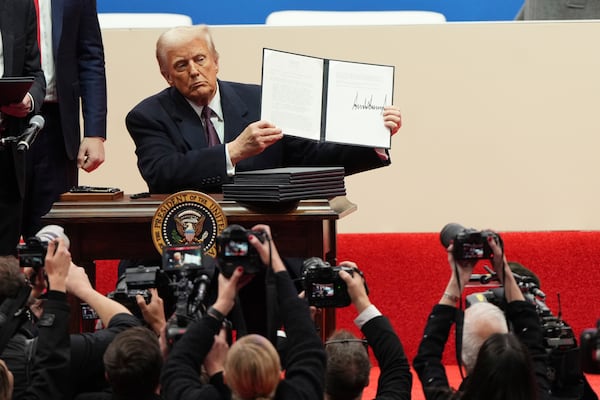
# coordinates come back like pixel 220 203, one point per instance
pixel 11 278
pixel 252 368
pixel 133 362
pixel 176 36
pixel 503 370
pixel 5 389
pixel 348 366
pixel 481 320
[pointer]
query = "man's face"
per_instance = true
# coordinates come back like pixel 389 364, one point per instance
pixel 192 68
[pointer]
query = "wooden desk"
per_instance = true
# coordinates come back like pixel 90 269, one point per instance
pixel 120 229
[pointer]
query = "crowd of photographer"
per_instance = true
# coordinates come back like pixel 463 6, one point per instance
pixel 194 344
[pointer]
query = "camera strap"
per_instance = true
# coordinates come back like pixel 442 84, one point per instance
pixel 271 302
pixel 13 314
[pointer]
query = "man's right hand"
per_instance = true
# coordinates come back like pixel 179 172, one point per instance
pixel 56 264
pixel 356 287
pixel 253 140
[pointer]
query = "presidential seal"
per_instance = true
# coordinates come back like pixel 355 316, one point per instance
pixel 188 218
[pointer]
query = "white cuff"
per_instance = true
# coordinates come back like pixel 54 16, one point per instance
pixel 368 314
pixel 230 166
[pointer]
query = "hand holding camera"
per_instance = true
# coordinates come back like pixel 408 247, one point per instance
pixel 57 262
pixel 356 287
pixel 324 284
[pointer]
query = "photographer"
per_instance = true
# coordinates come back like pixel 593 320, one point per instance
pixel 498 354
pixel 50 369
pixel 87 370
pixel 248 377
pixel 348 365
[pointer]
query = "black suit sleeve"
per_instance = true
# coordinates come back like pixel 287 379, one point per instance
pixel 428 362
pixel 395 378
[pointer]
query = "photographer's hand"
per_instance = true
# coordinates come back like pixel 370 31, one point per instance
pixel 227 291
pixel 153 312
pixel 356 287
pixel 215 359
pixel 267 251
pixel 56 264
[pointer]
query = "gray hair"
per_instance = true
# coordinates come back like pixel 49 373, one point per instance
pixel 481 320
pixel 181 34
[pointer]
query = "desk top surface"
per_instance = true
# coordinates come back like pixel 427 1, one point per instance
pixel 143 209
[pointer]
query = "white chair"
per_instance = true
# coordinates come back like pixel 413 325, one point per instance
pixel 300 18
pixel 142 20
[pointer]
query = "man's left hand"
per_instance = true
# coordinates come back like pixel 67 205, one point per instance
pixel 392 119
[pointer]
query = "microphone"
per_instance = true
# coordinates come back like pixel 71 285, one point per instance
pixel 36 123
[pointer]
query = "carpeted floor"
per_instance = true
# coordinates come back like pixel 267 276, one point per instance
pixel 453 377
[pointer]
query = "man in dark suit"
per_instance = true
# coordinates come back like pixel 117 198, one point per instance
pixel 172 148
pixel 73 63
pixel 19 56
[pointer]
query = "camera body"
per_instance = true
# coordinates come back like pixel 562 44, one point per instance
pixel 234 250
pixel 469 244
pixel 32 253
pixel 323 286
pixel 136 281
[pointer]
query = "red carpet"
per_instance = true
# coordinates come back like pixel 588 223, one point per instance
pixel 406 274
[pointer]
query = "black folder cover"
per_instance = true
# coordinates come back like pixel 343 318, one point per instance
pixel 13 89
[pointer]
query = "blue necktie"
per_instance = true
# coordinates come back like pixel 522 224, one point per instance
pixel 209 128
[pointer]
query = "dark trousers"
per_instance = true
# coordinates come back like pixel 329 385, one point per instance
pixel 49 171
pixel 12 176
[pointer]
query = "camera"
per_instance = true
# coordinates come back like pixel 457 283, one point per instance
pixel 189 274
pixel 469 244
pixel 136 281
pixel 32 253
pixel 234 250
pixel 323 286
pixel 590 350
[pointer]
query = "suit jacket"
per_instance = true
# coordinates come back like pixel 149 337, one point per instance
pixel 80 74
pixel 21 57
pixel 173 153
pixel 21 53
pixel 564 9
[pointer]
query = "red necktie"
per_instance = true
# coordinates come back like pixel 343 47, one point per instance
pixel 211 132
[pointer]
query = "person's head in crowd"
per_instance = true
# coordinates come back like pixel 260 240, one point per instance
pixel 11 277
pixel 503 370
pixel 133 362
pixel 189 61
pixel 252 368
pixel 348 366
pixel 6 382
pixel 481 320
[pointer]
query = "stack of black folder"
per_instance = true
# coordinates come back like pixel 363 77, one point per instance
pixel 286 184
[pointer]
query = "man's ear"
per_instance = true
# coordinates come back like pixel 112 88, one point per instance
pixel 167 77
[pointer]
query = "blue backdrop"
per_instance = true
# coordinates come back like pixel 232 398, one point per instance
pixel 226 12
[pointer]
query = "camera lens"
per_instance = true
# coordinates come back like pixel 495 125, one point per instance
pixel 449 232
